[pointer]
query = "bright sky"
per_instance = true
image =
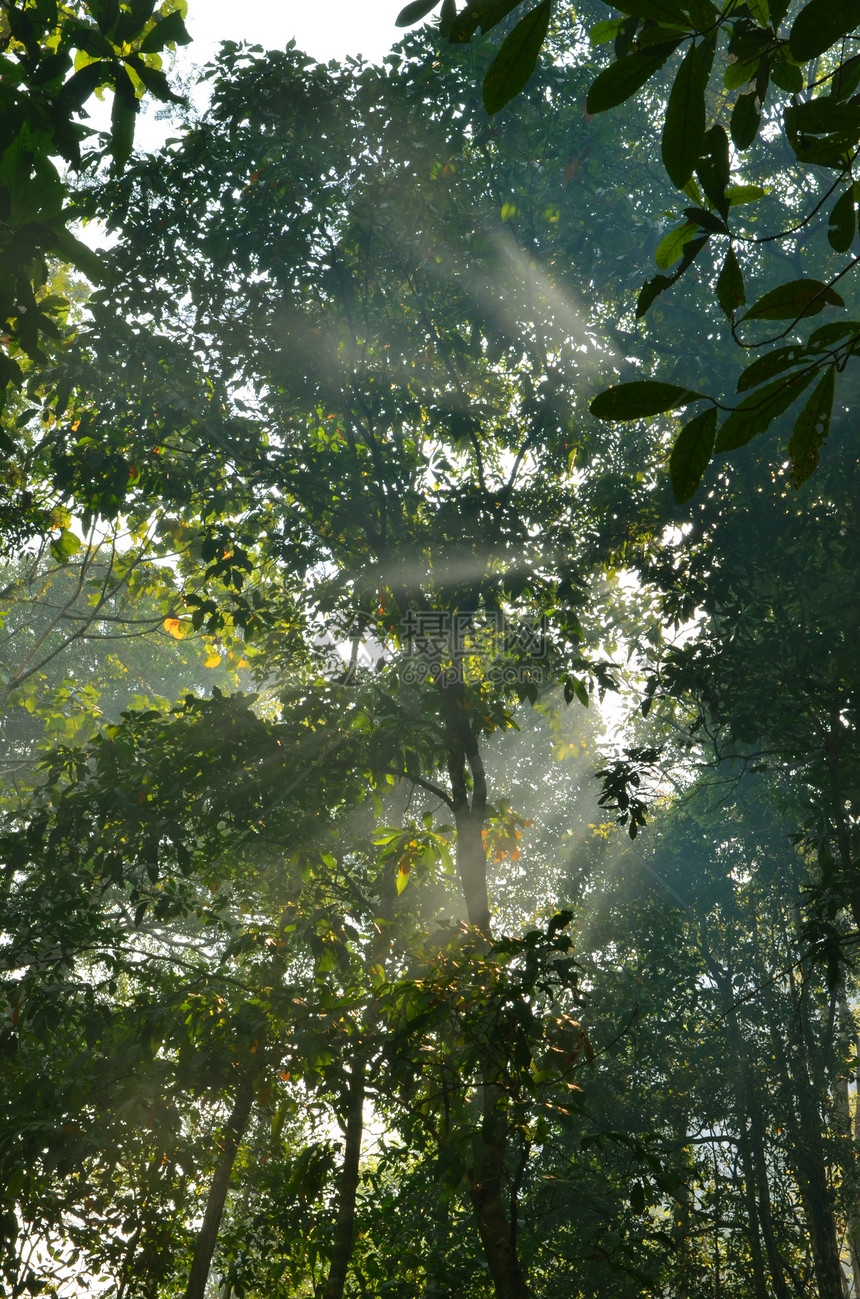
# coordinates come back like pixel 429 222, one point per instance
pixel 325 29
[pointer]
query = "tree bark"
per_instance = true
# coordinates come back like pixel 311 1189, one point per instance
pixel 207 1237
pixel 487 1181
pixel 344 1231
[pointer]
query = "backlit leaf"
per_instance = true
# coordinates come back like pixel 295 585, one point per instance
pixel 515 62
pixel 692 453
pixel 792 300
pixel 620 80
pixel 819 25
pixel 684 124
pixel 641 398
pixel 812 427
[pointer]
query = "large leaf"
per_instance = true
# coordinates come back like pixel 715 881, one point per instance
pixel 169 31
pixel 671 246
pixel 692 453
pixel 812 427
pixel 771 364
pixel 414 12
pixel 684 125
pixel 757 413
pixel 620 80
pixel 515 62
pixel 641 398
pixel 792 300
pixel 730 284
pixel 843 221
pixel 821 24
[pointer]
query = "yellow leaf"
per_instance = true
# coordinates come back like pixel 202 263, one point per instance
pixel 178 630
pixel 212 660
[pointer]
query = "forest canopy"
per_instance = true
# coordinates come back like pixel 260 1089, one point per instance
pixel 429 647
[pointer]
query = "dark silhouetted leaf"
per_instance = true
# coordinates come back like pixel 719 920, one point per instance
pixel 792 300
pixel 684 125
pixel 480 13
pixel 515 62
pixel 757 413
pixel 692 453
pixel 812 427
pixel 641 398
pixel 730 284
pixel 414 12
pixel 843 221
pixel 820 25
pixel 745 121
pixel 771 364
pixel 169 31
pixel 622 79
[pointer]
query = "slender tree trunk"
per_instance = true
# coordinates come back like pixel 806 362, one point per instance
pixel 753 1157
pixel 207 1237
pixel 344 1230
pixel 488 1176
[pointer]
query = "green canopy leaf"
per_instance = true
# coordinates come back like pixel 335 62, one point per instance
pixel 515 61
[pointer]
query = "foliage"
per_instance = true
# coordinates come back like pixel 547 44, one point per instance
pixel 737 75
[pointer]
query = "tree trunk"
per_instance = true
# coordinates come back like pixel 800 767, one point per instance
pixel 487 1181
pixel 207 1237
pixel 488 1200
pixel 344 1231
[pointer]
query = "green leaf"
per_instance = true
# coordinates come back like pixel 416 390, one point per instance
pixel 169 31
pixel 657 11
pixel 620 80
pixel 792 300
pixel 738 194
pixel 64 546
pixel 826 335
pixel 641 398
pixel 745 121
pixel 760 12
pixel 730 284
pixel 843 221
pixel 821 24
pixel 739 73
pixel 80 256
pixel 671 246
pixel 772 363
pixel 123 118
pixel 707 220
pixel 414 12
pixel 846 78
pixel 515 62
pixel 757 413
pixel 825 116
pixel 714 168
pixel 651 290
pixel 684 124
pixel 637 1198
pixel 812 427
pixel 485 14
pixel 606 30
pixel 692 453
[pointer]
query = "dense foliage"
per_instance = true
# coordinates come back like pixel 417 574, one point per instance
pixel 352 631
